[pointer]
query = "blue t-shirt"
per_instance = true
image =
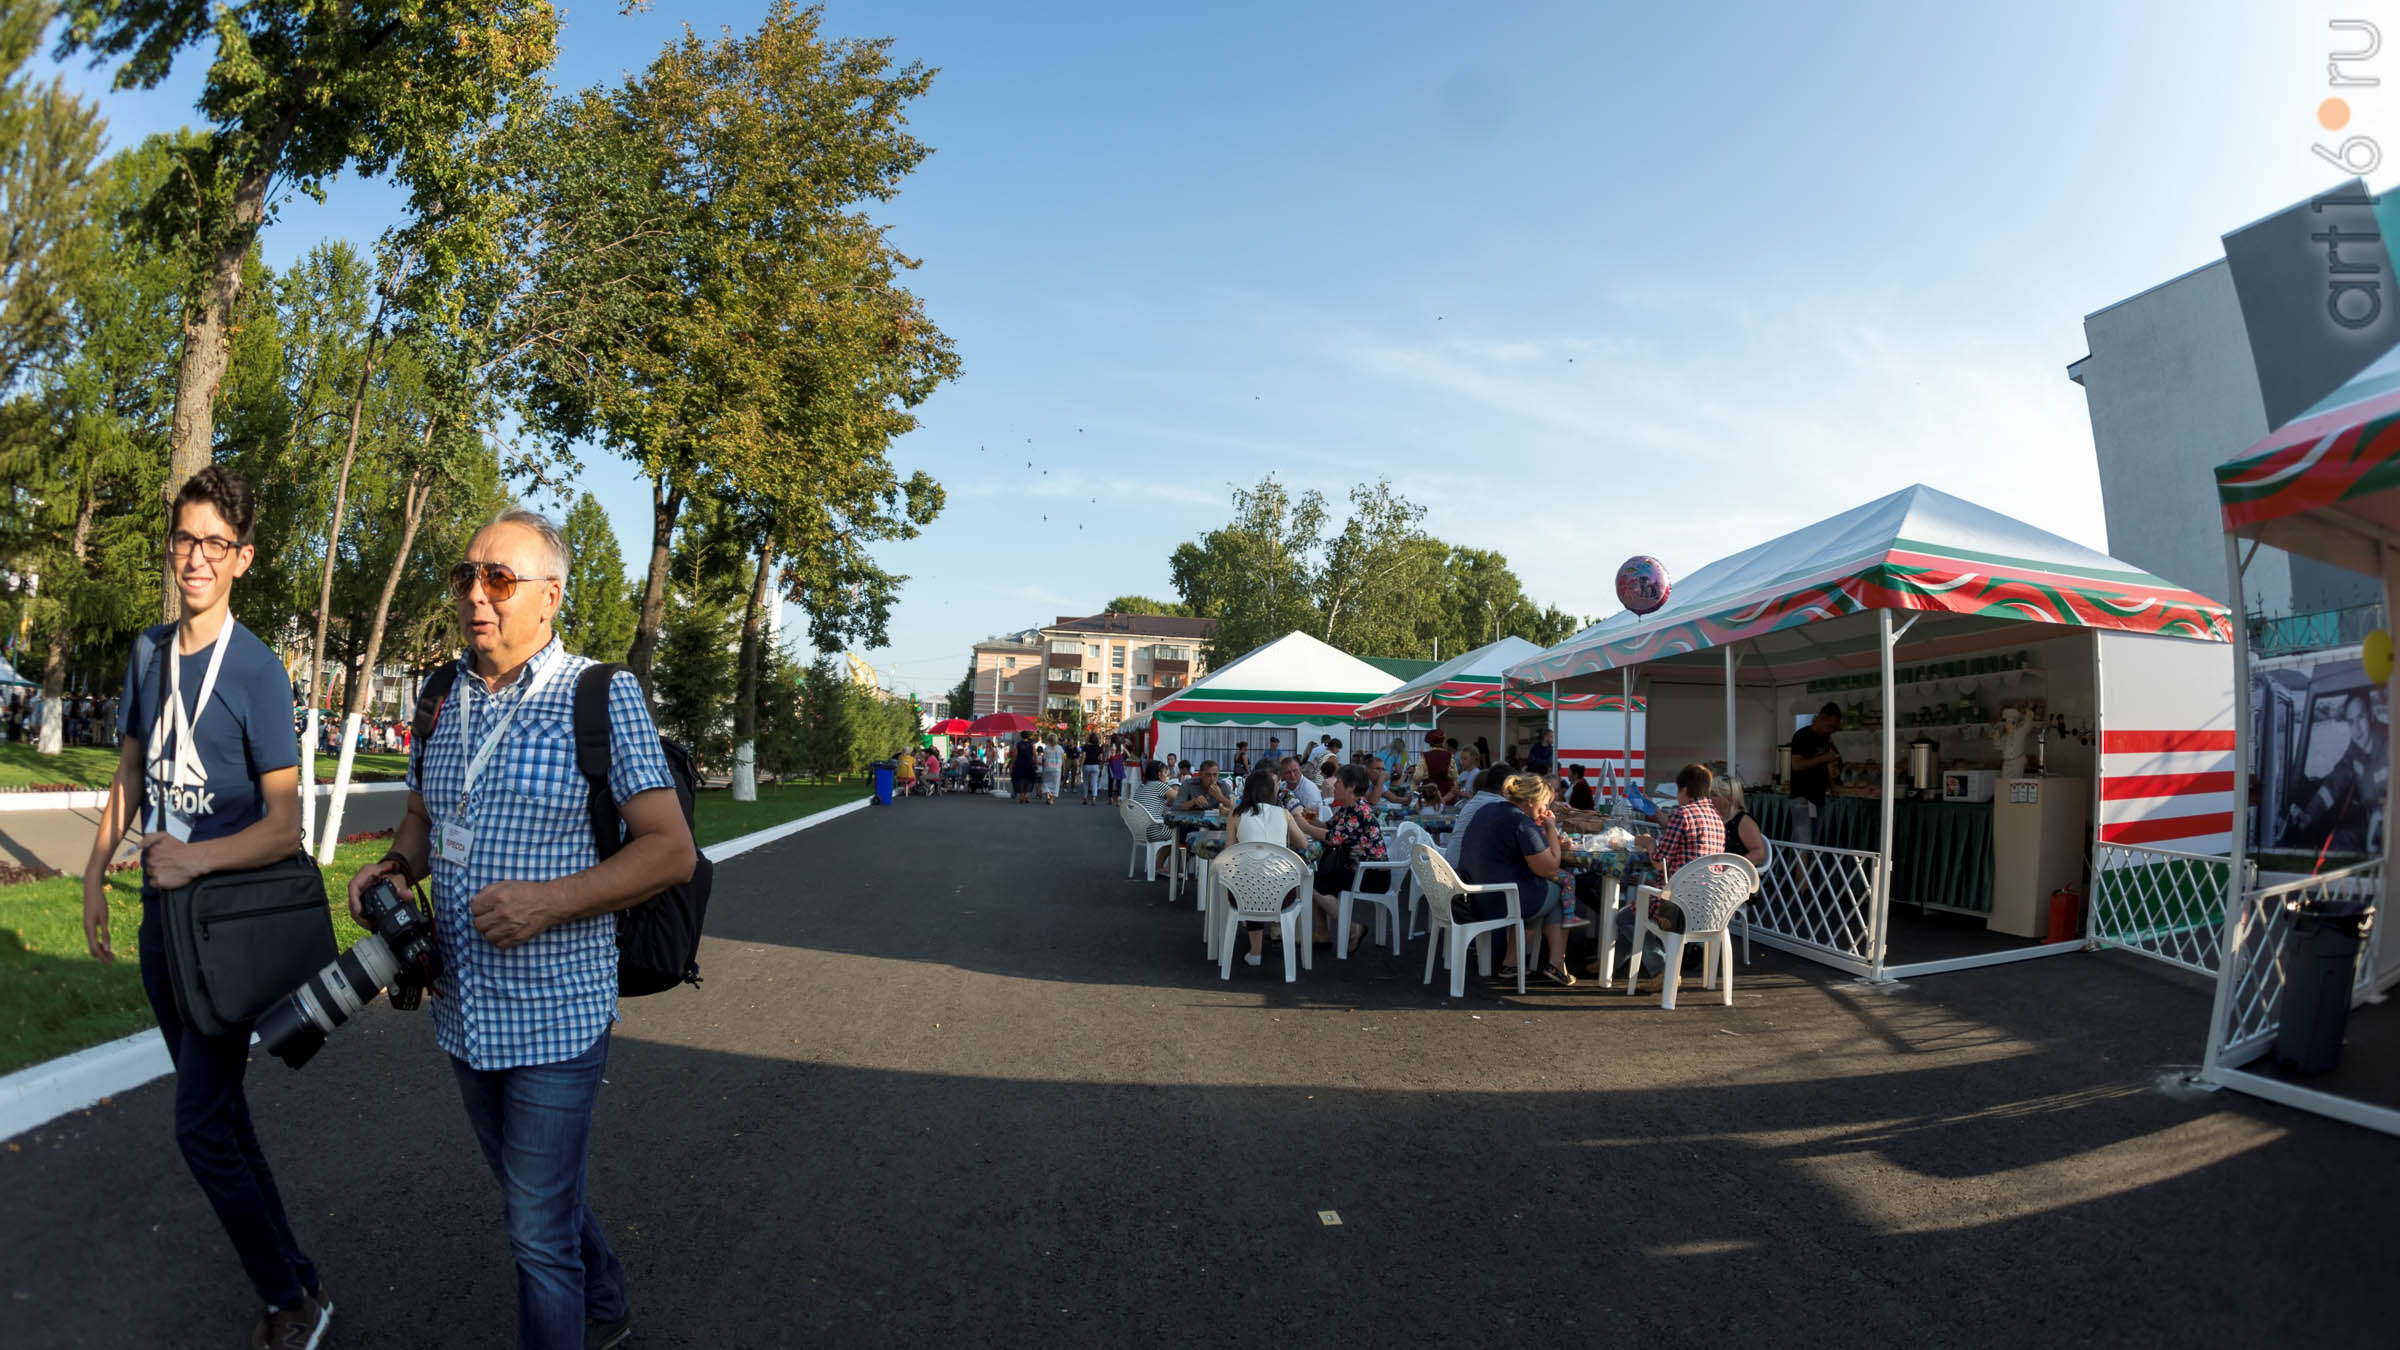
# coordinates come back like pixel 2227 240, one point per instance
pixel 244 733
pixel 1496 846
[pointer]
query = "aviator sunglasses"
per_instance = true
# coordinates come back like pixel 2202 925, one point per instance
pixel 499 581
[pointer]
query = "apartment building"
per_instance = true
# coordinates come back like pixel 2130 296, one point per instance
pixel 1116 665
pixel 1008 675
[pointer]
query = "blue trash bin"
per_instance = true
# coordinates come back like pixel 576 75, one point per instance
pixel 883 770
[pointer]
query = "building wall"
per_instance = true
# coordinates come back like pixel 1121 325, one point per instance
pixel 1118 673
pixel 2173 392
pixel 1008 678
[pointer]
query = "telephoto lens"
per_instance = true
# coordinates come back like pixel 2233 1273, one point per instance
pixel 398 953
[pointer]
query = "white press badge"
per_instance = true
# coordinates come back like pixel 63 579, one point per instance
pixel 454 842
pixel 184 789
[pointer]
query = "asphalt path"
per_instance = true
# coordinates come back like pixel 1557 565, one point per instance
pixel 954 1079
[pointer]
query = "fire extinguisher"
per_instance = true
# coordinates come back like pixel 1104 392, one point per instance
pixel 2066 915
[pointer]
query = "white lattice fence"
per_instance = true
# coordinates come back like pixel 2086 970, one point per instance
pixel 2160 903
pixel 2252 1001
pixel 1820 903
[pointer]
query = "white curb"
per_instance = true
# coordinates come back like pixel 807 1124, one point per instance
pixel 40 1094
pixel 35 1096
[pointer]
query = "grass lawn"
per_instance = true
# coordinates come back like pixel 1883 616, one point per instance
pixel 82 766
pixel 718 817
pixel 365 768
pixel 54 998
pixel 91 767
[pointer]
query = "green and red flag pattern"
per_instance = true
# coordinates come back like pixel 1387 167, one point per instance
pixel 2344 448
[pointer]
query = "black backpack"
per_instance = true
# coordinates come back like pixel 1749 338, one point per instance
pixel 658 940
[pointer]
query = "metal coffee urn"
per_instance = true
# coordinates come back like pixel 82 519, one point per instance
pixel 1925 767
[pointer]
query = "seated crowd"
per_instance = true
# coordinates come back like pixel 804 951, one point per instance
pixel 1510 826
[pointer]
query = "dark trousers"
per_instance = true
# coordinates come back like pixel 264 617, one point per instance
pixel 212 1126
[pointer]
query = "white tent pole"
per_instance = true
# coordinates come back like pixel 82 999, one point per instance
pixel 2228 970
pixel 1625 747
pixel 1730 771
pixel 1554 764
pixel 1878 921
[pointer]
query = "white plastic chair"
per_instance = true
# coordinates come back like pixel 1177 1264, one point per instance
pixel 1708 890
pixel 1138 821
pixel 1263 883
pixel 1438 882
pixel 1389 904
pixel 1764 870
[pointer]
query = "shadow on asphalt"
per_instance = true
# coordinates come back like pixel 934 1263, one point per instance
pixel 951 1079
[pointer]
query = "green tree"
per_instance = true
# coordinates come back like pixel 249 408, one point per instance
pixel 596 617
pixel 1142 604
pixel 962 695
pixel 298 92
pixel 82 453
pixel 47 143
pixel 696 679
pixel 782 719
pixel 762 352
pixel 825 710
pixel 1381 586
pixel 1252 575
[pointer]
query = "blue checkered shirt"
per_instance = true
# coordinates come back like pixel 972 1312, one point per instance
pixel 550 998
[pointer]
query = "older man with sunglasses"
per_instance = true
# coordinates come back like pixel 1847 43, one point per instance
pixel 498 818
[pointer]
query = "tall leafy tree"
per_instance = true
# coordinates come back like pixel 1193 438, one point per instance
pixel 82 453
pixel 298 92
pixel 48 140
pixel 761 349
pixel 1142 604
pixel 1253 574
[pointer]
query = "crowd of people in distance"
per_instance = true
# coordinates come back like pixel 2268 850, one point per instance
pixel 84 719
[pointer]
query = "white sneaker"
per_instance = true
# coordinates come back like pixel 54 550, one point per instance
pixel 1251 958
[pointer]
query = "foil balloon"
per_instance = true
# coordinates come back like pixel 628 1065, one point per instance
pixel 1643 584
pixel 2376 655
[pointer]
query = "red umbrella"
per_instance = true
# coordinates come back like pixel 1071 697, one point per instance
pixel 1000 724
pixel 950 726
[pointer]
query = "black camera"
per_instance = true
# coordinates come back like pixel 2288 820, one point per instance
pixel 398 953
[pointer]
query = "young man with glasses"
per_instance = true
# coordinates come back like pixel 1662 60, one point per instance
pixel 523 908
pixel 210 769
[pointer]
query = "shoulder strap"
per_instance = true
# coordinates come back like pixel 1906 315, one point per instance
pixel 592 753
pixel 431 695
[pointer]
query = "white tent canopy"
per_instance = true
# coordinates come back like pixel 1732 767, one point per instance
pixel 1803 605
pixel 1294 682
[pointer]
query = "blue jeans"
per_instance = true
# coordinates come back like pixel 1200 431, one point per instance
pixel 535 1125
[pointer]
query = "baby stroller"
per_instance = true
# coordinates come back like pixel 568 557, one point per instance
pixel 979 775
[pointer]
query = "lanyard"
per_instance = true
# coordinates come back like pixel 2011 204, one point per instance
pixel 186 767
pixel 466 723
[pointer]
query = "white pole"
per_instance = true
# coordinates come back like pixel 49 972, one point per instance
pixel 1730 771
pixel 341 790
pixel 1625 747
pixel 1878 921
pixel 1555 766
pixel 308 783
pixel 2228 962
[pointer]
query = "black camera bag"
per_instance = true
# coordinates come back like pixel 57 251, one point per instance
pixel 658 940
pixel 238 941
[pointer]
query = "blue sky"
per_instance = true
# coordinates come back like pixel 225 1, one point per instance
pixel 1586 280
